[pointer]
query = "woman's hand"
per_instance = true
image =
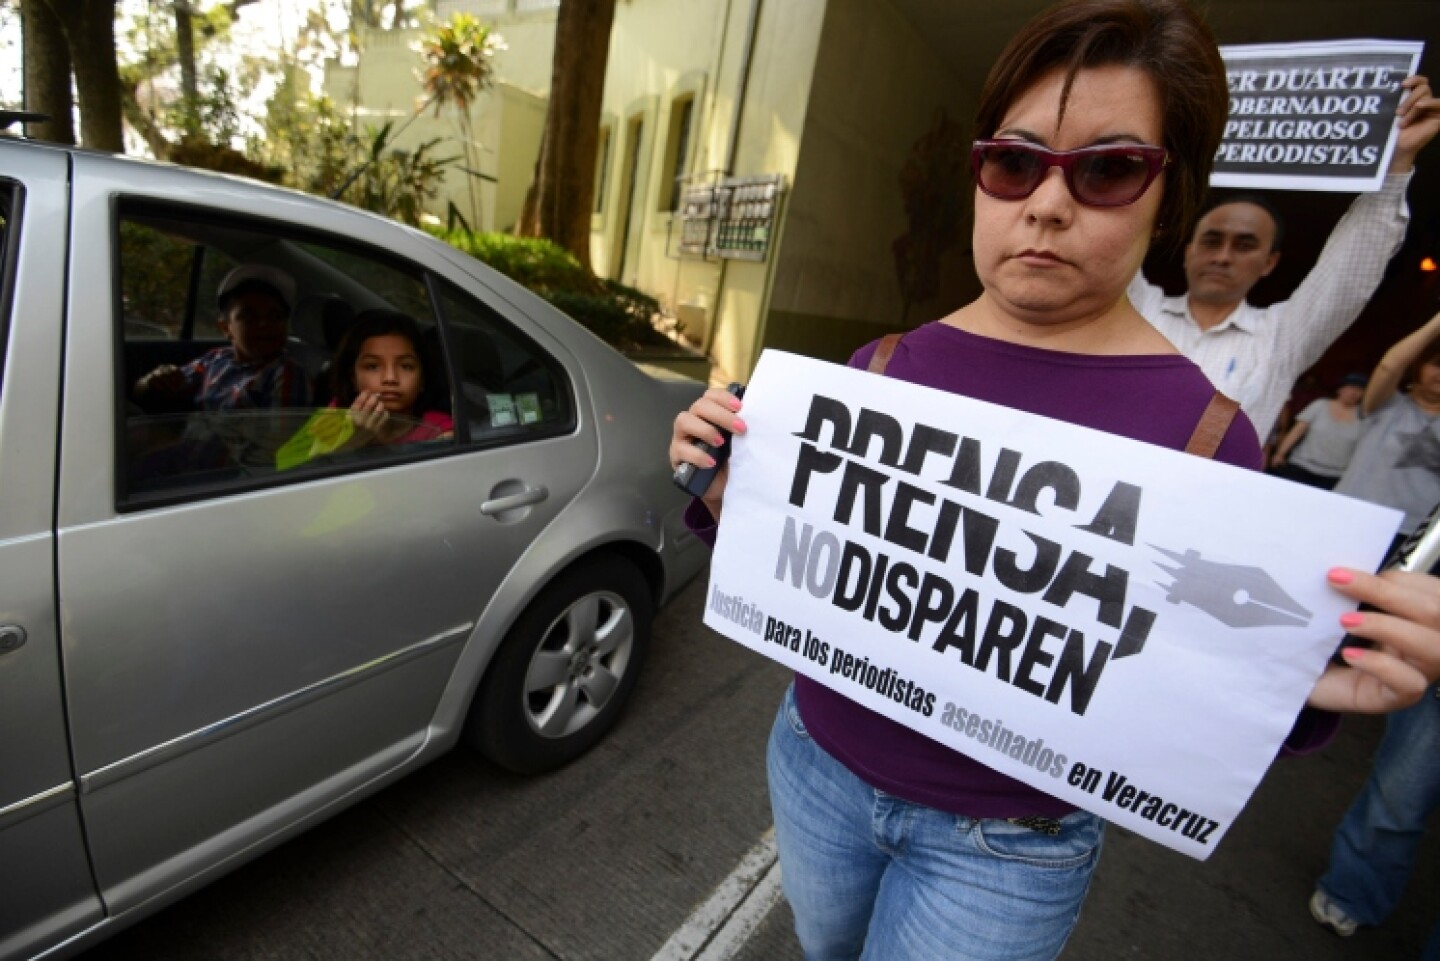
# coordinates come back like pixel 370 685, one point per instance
pixel 368 415
pixel 1405 630
pixel 714 411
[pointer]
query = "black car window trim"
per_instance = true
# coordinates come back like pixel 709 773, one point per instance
pixel 145 208
pixel 192 293
pixel 14 221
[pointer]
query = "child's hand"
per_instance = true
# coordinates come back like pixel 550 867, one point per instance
pixel 165 379
pixel 1405 631
pixel 369 415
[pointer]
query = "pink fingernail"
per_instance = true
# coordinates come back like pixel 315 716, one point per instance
pixel 1341 575
pixel 1352 653
pixel 1352 619
pixel 739 426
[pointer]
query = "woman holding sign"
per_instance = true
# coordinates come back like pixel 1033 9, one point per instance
pixel 1096 131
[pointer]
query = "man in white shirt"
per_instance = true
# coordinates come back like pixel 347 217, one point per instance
pixel 1255 354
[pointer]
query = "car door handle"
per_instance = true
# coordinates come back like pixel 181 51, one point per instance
pixel 526 497
pixel 12 638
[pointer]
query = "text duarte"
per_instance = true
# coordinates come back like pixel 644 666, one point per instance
pixel 1033 652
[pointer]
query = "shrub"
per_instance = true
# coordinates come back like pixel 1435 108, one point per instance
pixel 621 316
pixel 541 265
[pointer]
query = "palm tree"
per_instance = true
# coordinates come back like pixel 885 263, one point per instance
pixel 458 68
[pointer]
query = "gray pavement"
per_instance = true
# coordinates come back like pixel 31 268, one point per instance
pixel 605 859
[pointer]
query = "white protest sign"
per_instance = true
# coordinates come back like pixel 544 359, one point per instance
pixel 1128 628
pixel 1312 116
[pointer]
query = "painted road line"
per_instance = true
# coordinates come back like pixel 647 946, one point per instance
pixel 720 926
pixel 745 920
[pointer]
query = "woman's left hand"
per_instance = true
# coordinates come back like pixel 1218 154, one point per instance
pixel 1405 631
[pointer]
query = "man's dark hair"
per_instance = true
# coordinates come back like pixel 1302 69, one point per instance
pixel 1164 39
pixel 1226 198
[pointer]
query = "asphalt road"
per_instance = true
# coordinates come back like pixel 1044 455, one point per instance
pixel 610 857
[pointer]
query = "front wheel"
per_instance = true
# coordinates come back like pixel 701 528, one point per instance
pixel 563 673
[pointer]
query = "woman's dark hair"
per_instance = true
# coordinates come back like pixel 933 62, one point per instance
pixel 1165 39
pixel 381 323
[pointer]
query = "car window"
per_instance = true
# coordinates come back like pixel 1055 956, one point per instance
pixel 251 355
pixel 510 388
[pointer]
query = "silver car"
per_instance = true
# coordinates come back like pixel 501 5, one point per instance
pixel 217 625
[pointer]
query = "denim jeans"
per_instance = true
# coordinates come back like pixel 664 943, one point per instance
pixel 871 876
pixel 1375 846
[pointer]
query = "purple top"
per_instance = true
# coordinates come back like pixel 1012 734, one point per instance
pixel 1157 399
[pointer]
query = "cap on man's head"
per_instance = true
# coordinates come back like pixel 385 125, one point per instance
pixel 261 277
pixel 1353 380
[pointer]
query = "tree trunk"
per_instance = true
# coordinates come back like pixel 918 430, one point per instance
pixel 560 200
pixel 145 125
pixel 47 73
pixel 185 48
pixel 89 27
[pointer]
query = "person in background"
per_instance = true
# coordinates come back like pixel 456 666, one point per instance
pixel 252 370
pixel 1317 449
pixel 1374 849
pixel 1397 463
pixel 1254 354
pixel 1397 460
pixel 1098 127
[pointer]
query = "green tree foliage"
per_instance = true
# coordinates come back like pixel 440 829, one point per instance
pixel 174 91
pixel 458 59
pixel 307 136
pixel 394 182
pixel 621 316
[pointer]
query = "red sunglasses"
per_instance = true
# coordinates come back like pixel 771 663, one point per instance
pixel 1106 175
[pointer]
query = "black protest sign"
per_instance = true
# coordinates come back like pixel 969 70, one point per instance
pixel 1312 116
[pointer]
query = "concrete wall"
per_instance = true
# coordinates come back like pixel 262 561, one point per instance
pixel 776 79
pixel 662 52
pixel 506 122
pixel 877 88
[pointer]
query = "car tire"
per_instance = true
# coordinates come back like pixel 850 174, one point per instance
pixel 562 675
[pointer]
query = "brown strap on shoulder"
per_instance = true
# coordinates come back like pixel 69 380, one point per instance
pixel 1212 427
pixel 881 358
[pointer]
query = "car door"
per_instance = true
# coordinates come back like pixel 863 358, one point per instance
pixel 250 638
pixel 46 890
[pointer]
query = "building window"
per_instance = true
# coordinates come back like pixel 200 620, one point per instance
pixel 677 152
pixel 602 168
